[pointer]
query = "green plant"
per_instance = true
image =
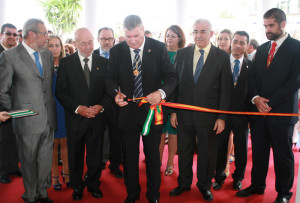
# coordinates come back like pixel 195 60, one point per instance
pixel 63 15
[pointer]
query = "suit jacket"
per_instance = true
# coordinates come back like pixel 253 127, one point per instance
pixel 240 100
pixel 72 90
pixel 1 48
pixel 156 67
pixel 96 51
pixel 280 82
pixel 22 87
pixel 212 90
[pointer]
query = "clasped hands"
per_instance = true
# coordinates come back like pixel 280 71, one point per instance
pixel 89 112
pixel 153 98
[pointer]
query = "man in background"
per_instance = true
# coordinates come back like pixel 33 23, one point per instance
pixel 251 50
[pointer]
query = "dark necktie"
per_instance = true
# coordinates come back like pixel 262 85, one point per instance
pixel 37 62
pixel 236 70
pixel 87 72
pixel 106 54
pixel 137 72
pixel 199 66
pixel 271 54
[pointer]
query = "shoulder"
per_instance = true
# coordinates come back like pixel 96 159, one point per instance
pixel 99 59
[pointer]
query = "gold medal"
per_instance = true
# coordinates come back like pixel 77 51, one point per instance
pixel 136 73
pixel 234 84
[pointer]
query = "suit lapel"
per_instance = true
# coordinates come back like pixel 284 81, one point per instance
pixel 190 63
pixel 243 72
pixel 26 58
pixel 281 52
pixel 209 60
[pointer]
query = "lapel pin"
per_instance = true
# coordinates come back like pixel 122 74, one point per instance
pixel 99 68
pixel 247 66
pixel 149 50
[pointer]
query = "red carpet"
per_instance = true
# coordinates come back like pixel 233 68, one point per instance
pixel 114 190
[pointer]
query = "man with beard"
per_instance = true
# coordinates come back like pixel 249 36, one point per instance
pixel 112 149
pixel 273 86
pixel 8 147
pixel 26 83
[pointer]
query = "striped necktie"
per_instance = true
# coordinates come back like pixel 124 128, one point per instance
pixel 137 72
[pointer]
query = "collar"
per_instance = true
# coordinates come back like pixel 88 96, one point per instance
pixel 28 48
pixel 206 49
pixel 232 59
pixel 280 41
pixel 4 47
pixel 141 47
pixel 82 57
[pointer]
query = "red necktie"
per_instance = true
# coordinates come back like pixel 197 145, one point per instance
pixel 271 54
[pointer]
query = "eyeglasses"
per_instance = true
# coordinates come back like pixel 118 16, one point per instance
pixel 107 39
pixel 43 33
pixel 171 36
pixel 9 34
pixel 196 32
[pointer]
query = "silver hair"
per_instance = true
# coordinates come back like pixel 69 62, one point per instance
pixel 31 25
pixel 132 21
pixel 202 20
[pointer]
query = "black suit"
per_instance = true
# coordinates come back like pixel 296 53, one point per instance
pixel 212 90
pixel 156 67
pixel 72 90
pixel 239 125
pixel 8 147
pixel 115 147
pixel 279 83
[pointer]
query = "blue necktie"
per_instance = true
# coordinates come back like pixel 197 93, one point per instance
pixel 37 62
pixel 106 54
pixel 236 69
pixel 199 66
pixel 137 72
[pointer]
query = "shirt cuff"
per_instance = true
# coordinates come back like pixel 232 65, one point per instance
pixel 162 93
pixel 76 111
pixel 102 110
pixel 252 100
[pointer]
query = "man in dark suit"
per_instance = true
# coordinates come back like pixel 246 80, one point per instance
pixel 8 148
pixel 240 67
pixel 273 86
pixel 80 88
pixel 204 80
pixel 139 67
pixel 112 149
pixel 26 74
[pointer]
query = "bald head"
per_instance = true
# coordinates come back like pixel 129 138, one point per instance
pixel 84 42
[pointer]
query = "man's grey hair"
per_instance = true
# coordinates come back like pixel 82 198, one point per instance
pixel 132 21
pixel 202 20
pixel 31 25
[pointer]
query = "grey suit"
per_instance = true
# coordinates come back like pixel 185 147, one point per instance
pixel 22 87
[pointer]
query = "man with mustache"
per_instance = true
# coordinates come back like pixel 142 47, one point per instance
pixel 273 86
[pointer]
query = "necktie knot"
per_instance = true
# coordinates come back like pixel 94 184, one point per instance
pixel 201 51
pixel 136 51
pixel 274 45
pixel 237 62
pixel 36 55
pixel 106 54
pixel 86 60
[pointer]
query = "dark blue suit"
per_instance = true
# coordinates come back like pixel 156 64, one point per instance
pixel 279 83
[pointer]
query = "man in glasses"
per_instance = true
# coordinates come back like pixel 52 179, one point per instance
pixel 111 144
pixel 206 81
pixel 8 147
pixel 8 37
pixel 26 83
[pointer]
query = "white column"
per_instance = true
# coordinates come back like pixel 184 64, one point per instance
pixel 262 7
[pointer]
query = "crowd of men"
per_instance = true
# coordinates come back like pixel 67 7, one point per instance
pixel 101 87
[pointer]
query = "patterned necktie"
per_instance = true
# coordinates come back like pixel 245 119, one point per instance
pixel 271 54
pixel 87 72
pixel 137 72
pixel 199 66
pixel 106 54
pixel 37 62
pixel 236 70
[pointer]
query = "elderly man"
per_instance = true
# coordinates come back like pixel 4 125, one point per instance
pixel 206 81
pixel 137 68
pixel 26 83
pixel 80 89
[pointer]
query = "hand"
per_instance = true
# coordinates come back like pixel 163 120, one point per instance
pixel 119 99
pixel 219 126
pixel 96 109
pixel 261 104
pixel 154 98
pixel 173 120
pixel 86 112
pixel 4 116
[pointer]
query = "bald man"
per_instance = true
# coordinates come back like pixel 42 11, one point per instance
pixel 80 89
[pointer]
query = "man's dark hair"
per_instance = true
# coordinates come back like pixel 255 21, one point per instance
pixel 7 25
pixel 132 21
pixel 254 43
pixel 105 28
pixel 147 32
pixel 277 14
pixel 242 33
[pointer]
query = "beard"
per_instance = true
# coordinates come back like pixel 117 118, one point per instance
pixel 273 36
